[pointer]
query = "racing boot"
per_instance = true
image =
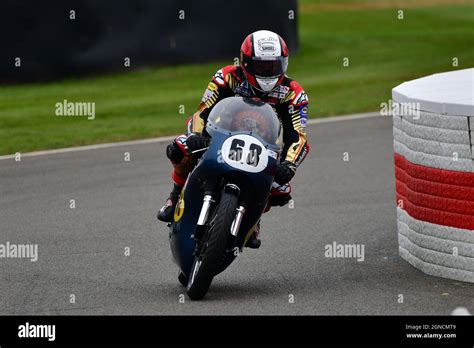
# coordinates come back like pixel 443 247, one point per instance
pixel 166 212
pixel 253 242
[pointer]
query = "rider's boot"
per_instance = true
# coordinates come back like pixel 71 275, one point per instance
pixel 253 242
pixel 166 212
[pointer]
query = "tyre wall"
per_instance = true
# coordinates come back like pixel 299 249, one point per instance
pixel 433 130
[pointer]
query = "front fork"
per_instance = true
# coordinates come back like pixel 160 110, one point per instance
pixel 234 229
pixel 206 209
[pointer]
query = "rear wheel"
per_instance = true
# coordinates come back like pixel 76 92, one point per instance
pixel 214 245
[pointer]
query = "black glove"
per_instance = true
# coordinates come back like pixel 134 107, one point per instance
pixel 196 142
pixel 285 172
pixel 174 153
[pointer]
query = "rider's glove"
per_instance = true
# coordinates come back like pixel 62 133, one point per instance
pixel 174 153
pixel 176 150
pixel 196 142
pixel 285 172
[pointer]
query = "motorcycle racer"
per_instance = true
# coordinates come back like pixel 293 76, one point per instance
pixel 261 75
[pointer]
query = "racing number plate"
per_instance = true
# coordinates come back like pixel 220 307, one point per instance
pixel 245 152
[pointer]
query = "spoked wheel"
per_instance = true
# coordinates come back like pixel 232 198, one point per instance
pixel 214 245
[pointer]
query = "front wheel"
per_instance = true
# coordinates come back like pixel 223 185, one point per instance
pixel 182 279
pixel 214 245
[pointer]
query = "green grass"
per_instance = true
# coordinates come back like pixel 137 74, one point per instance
pixel 383 52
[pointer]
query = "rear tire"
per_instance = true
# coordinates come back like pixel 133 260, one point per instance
pixel 215 241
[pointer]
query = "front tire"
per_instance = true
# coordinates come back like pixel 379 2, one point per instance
pixel 206 264
pixel 183 280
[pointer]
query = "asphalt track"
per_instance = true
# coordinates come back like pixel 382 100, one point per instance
pixel 82 250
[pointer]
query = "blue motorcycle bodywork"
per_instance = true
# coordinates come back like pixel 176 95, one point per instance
pixel 209 167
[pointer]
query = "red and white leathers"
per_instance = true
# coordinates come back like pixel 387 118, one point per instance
pixel 289 101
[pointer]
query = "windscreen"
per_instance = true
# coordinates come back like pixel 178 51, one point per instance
pixel 237 114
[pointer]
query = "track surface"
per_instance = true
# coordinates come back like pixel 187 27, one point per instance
pixel 81 250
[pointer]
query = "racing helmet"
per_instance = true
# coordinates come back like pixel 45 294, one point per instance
pixel 264 60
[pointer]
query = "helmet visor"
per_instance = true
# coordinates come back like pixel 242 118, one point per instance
pixel 266 66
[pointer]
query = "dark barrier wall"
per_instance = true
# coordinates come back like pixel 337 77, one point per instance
pixel 149 32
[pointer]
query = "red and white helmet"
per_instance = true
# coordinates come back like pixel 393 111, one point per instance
pixel 264 59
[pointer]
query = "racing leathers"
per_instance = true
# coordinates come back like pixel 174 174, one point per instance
pixel 290 102
pixel 288 99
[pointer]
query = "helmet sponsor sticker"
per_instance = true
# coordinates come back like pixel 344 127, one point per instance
pixel 267 45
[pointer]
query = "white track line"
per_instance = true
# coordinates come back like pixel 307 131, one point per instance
pixel 170 138
pixel 344 117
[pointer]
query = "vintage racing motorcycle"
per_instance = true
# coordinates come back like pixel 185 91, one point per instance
pixel 226 193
